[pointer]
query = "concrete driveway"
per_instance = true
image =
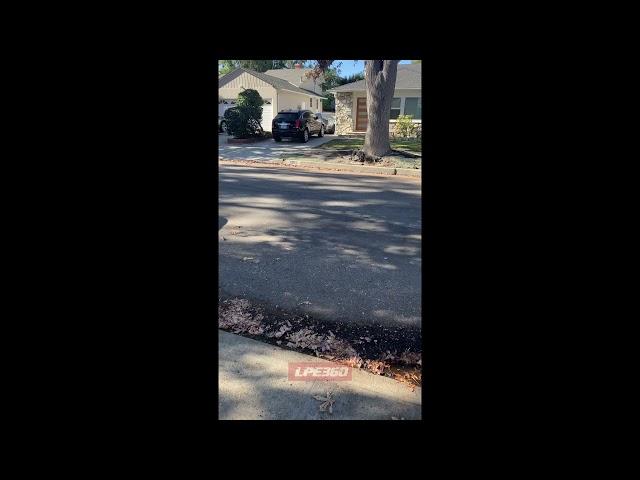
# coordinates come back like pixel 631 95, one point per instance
pixel 267 149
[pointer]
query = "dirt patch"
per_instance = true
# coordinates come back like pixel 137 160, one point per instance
pixel 397 159
pixel 390 351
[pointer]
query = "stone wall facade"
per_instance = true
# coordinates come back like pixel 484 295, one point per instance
pixel 344 116
pixel 344 113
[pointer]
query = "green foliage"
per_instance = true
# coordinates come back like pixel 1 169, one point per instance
pixel 351 78
pixel 243 121
pixel 226 66
pixel 329 103
pixel 331 79
pixel 404 127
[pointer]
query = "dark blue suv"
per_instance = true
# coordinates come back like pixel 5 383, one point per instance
pixel 299 124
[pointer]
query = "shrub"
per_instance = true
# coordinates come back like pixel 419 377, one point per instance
pixel 243 121
pixel 404 126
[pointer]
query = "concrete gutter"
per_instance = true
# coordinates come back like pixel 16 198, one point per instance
pixel 253 384
pixel 403 172
pixel 408 172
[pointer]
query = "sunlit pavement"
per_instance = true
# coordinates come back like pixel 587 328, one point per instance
pixel 253 384
pixel 266 149
pixel 344 247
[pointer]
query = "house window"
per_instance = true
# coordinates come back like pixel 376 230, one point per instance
pixel 395 108
pixel 412 107
pixel 311 103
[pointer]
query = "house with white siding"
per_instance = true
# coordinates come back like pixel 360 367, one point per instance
pixel 351 101
pixel 281 89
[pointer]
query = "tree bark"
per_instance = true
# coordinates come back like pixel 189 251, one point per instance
pixel 380 79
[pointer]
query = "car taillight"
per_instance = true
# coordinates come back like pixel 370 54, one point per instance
pixel 298 123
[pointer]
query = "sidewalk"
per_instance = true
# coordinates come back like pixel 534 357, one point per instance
pixel 253 385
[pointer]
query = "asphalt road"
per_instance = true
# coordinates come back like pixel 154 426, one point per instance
pixel 339 246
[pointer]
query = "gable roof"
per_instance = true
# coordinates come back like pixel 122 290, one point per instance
pixel 291 75
pixel 275 82
pixel 408 77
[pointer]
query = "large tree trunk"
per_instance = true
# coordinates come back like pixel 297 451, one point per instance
pixel 380 78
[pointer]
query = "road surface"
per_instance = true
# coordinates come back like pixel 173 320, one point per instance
pixel 345 247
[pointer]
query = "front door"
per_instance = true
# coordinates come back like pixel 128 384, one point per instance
pixel 361 115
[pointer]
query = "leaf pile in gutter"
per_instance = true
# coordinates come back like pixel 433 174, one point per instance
pixel 239 316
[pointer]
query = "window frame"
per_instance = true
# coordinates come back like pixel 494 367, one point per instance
pixel 393 108
pixel 418 107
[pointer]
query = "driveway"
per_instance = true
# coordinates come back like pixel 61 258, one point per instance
pixel 267 149
pixel 344 247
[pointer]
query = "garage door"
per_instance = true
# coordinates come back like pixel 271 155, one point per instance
pixel 267 114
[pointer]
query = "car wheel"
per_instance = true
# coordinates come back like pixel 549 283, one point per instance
pixel 223 127
pixel 321 133
pixel 305 136
pixel 277 139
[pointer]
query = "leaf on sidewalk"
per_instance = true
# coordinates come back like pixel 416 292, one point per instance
pixel 327 400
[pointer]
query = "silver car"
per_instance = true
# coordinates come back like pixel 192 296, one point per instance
pixel 328 122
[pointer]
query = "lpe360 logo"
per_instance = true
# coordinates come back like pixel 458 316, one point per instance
pixel 311 371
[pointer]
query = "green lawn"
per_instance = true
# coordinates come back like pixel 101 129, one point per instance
pixel 408 144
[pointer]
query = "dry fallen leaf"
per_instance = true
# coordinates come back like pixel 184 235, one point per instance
pixel 327 400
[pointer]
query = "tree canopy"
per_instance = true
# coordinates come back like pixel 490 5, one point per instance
pixel 226 66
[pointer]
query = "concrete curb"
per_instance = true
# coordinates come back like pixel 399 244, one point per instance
pixel 346 168
pixel 409 172
pixel 403 172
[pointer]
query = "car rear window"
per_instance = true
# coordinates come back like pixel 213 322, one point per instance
pixel 287 116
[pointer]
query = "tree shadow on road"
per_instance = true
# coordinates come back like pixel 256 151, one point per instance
pixel 340 246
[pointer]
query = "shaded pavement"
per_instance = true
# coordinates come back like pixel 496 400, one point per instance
pixel 344 247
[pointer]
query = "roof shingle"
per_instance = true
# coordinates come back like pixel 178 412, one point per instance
pixel 295 76
pixel 271 80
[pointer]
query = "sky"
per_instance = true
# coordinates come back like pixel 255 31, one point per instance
pixel 348 68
